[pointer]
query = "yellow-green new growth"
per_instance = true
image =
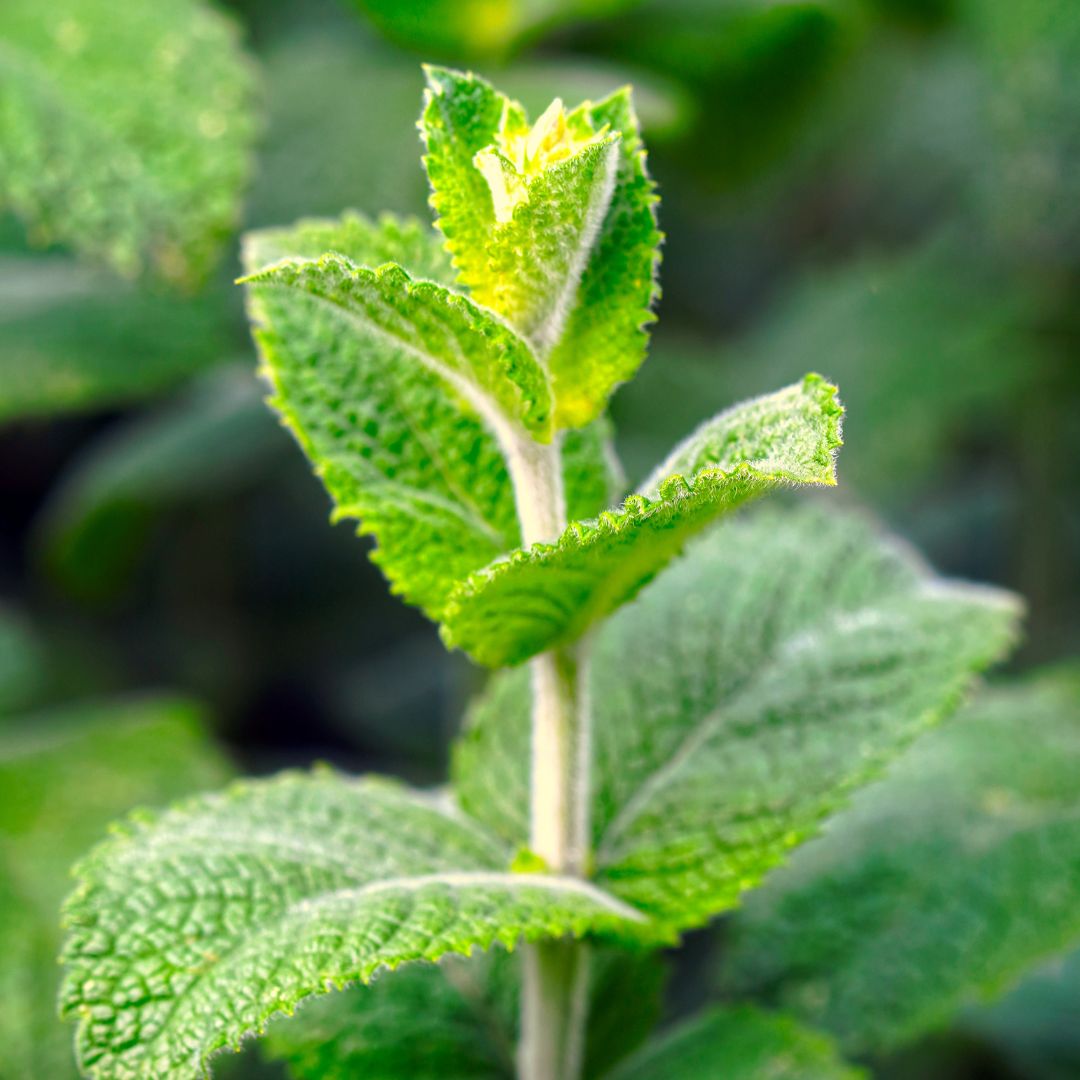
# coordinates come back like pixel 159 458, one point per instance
pixel 520 152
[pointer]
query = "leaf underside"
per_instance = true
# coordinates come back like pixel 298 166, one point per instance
pixel 191 930
pixel 942 884
pixel 740 700
pixel 125 130
pixel 549 594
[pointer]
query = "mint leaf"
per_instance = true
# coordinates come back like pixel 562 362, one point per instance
pixel 426 323
pixel 607 325
pixel 550 594
pixel 540 246
pixel 125 133
pixel 191 930
pixel 553 226
pixel 771 671
pixel 739 1044
pixel 65 773
pixel 406 456
pixel 521 236
pixel 390 239
pixel 459 1020
pixel 461 117
pixel 941 884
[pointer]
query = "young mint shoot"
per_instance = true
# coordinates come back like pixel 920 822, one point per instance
pixel 645 760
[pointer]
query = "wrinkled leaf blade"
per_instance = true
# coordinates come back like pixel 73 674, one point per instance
pixel 191 930
pixel 941 884
pixel 549 594
pixel 776 668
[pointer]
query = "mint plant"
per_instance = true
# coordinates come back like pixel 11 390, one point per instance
pixel 638 768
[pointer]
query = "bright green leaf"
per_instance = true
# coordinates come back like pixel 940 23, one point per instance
pixel 550 594
pixel 521 206
pixel 738 1044
pixel 125 129
pixel 368 243
pixel 778 666
pixel 64 775
pixel 406 455
pixel 604 339
pixel 539 247
pixel 425 323
pixel 461 117
pixel 459 1020
pixel 940 886
pixel 191 930
pixel 553 226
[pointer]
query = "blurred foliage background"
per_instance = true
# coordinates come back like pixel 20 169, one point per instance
pixel 886 191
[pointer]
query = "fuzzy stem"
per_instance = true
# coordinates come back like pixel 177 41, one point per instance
pixel 555 987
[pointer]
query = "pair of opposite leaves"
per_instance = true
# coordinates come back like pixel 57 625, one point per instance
pixel 411 398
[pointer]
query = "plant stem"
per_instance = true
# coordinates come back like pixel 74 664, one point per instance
pixel 555 985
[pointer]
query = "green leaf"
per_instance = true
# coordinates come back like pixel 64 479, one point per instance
pixel 523 234
pixel 461 117
pixel 738 1044
pixel 778 666
pixel 396 446
pixel 535 256
pixel 459 1020
pixel 550 594
pixel 65 774
pixel 390 239
pixel 940 886
pixel 125 131
pixel 189 931
pixel 426 323
pixel 605 338
pixel 554 227
pixel 73 338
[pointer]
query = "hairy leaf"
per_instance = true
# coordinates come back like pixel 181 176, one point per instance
pixel 461 117
pixel 535 258
pixel 738 1044
pixel 940 885
pixel 65 774
pixel 740 700
pixel 459 1020
pixel 550 594
pixel 607 325
pixel 125 130
pixel 396 446
pixel 426 323
pixel 191 930
pixel 484 27
pixel 554 227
